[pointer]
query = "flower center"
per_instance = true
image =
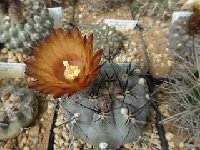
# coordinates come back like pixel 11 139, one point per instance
pixel 71 72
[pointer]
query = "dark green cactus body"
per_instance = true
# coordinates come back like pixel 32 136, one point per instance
pixel 37 24
pixel 108 39
pixel 18 109
pixel 111 111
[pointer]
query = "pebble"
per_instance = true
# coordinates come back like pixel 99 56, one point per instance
pixel 163 25
pixel 9 145
pixel 56 130
pixel 36 141
pixel 127 145
pixel 152 135
pixel 42 119
pixel 76 144
pixel 56 137
pixel 181 145
pixel 55 147
pixel 170 63
pixel 24 56
pixel 10 54
pixel 80 16
pixel 50 106
pixel 43 131
pixel 169 136
pixel 49 111
pixel 34 132
pixel 158 145
pixel 166 114
pixel 4 50
pixel 19 57
pixel 26 148
pixel 66 137
pixel 171 144
pixel 66 143
pixel 61 141
pixel 126 44
pixel 88 145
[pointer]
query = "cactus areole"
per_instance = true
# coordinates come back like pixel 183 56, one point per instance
pixel 106 104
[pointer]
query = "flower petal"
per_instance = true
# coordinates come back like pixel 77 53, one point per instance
pixel 48 69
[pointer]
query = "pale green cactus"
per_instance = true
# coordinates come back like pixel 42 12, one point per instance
pixel 34 24
pixel 18 108
pixel 108 39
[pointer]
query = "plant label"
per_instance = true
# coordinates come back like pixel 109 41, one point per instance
pixel 178 14
pixel 190 1
pixel 12 70
pixel 56 13
pixel 121 25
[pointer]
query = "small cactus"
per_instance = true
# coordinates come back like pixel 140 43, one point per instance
pixel 183 35
pixel 23 25
pixel 108 39
pixel 178 40
pixel 18 108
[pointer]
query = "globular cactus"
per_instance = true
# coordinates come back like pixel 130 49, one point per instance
pixel 178 40
pixel 26 22
pixel 183 35
pixel 109 39
pixel 18 108
pixel 110 112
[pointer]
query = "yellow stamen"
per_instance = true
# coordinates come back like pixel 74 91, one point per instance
pixel 71 72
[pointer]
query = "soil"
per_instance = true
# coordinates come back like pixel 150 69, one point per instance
pixel 155 28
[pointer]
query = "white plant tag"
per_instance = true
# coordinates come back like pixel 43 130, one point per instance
pixel 56 13
pixel 190 1
pixel 178 14
pixel 121 25
pixel 12 70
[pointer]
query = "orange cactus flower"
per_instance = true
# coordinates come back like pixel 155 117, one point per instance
pixel 64 64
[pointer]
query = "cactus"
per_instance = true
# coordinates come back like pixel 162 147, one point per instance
pixel 181 45
pixel 111 111
pixel 183 35
pixel 178 40
pixel 109 39
pixel 21 29
pixel 18 108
